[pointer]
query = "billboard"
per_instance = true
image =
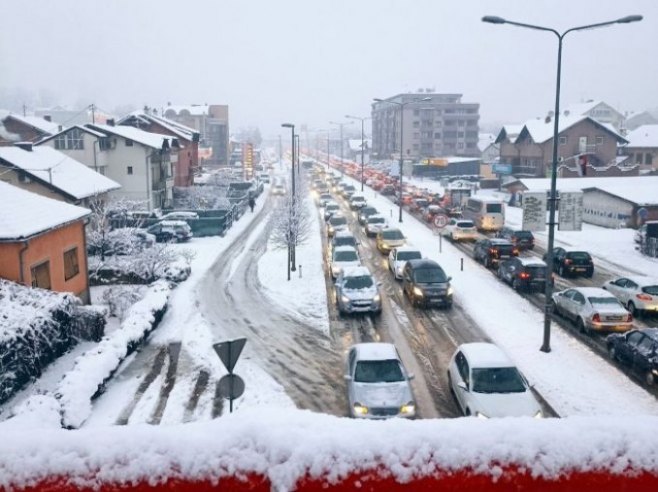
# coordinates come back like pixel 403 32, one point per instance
pixel 534 211
pixel 571 211
pixel 501 168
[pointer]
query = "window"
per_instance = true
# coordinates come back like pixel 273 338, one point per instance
pixel 70 140
pixel 41 275
pixel 437 135
pixel 648 158
pixel 416 135
pixel 416 124
pixel 104 144
pixel 130 169
pixel 599 140
pixel 563 140
pixel 460 145
pixel 416 112
pixel 71 265
pixel 129 143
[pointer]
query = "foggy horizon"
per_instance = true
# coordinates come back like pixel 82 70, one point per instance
pixel 310 63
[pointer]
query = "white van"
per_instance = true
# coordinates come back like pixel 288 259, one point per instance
pixel 488 214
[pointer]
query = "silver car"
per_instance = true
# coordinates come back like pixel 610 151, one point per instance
pixel 638 294
pixel 374 224
pixel 592 309
pixel 342 257
pixel 378 386
pixel 398 257
pixel 356 292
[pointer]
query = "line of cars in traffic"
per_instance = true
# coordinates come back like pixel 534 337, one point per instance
pixel 482 378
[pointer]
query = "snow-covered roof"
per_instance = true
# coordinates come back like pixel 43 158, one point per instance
pixel 541 130
pixel 376 351
pixel 643 281
pixel 510 131
pixel 40 124
pixel 25 214
pixel 176 128
pixel 485 355
pixel 643 136
pixel 61 171
pixel 193 109
pixel 154 140
pixel 580 108
pixel 594 291
pixel 485 139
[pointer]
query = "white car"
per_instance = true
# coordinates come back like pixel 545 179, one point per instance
pixel 374 224
pixel 180 216
pixel 398 257
pixel 343 257
pixel 592 309
pixel 378 386
pixel 460 230
pixel 486 383
pixel 638 294
pixel 357 202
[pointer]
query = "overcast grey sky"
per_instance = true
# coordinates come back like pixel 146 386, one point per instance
pixel 308 61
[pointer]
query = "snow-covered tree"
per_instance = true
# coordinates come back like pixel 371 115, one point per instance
pixel 291 220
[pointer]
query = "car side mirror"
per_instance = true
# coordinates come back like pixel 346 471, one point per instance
pixel 411 375
pixel 462 385
pixel 449 279
pixel 347 377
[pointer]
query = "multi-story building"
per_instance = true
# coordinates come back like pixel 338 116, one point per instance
pixel 435 125
pixel 211 121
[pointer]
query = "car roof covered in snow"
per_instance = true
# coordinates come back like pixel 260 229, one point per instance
pixel 376 351
pixel 485 355
pixel 531 261
pixel 593 292
pixel 358 271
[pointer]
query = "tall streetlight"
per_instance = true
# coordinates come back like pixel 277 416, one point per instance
pixel 546 345
pixel 341 125
pixel 297 150
pixel 363 119
pixel 402 105
pixel 291 244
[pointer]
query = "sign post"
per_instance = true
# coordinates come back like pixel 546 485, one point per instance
pixel 534 211
pixel 230 386
pixel 571 211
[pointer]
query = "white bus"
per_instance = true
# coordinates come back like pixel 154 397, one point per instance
pixel 488 214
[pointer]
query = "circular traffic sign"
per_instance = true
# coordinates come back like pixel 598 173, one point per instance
pixel 231 386
pixel 441 221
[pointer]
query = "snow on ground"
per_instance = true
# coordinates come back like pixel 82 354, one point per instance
pixel 273 275
pixel 574 380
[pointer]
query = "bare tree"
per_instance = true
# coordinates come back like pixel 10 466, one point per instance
pixel 152 261
pixel 291 222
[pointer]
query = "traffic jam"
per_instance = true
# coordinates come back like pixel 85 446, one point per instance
pixel 413 351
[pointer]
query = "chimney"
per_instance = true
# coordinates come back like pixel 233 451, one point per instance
pixel 110 122
pixel 47 117
pixel 548 119
pixel 567 112
pixel 24 145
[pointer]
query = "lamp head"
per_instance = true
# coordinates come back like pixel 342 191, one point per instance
pixel 629 18
pixel 376 99
pixel 493 19
pixel 287 125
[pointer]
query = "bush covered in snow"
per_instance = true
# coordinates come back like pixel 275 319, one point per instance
pixel 93 368
pixel 36 327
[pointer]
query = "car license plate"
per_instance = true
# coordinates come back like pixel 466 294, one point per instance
pixel 615 318
pixel 580 269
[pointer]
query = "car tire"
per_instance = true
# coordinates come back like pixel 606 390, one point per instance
pixel 560 271
pixel 632 309
pixel 612 352
pixel 515 285
pixel 649 378
pixel 580 325
pixel 589 274
pixel 467 412
pixel 487 262
pixel 554 308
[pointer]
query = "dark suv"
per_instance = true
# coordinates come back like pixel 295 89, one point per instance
pixel 637 349
pixel 521 239
pixel 572 263
pixel 523 273
pixel 491 252
pixel 426 284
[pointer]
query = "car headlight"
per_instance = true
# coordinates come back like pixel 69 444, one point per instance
pixel 345 300
pixel 330 229
pixel 450 291
pixel 360 409
pixel 480 415
pixel 539 414
pixel 408 409
pixel 418 291
pixel 377 298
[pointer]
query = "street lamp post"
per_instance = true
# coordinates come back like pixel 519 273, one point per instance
pixel 341 125
pixel 546 345
pixel 402 105
pixel 291 244
pixel 297 150
pixel 363 119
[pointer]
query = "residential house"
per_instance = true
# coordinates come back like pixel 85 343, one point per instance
pixel 636 120
pixel 211 121
pixel 583 141
pixel 74 116
pixel 53 174
pixel 490 151
pixel 188 138
pixel 18 128
pixel 643 147
pixel 141 162
pixel 598 110
pixel 42 242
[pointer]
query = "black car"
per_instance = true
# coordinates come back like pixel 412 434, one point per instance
pixel 572 263
pixel 388 190
pixel 637 349
pixel 426 284
pixel 523 273
pixel 490 252
pixel 521 239
pixel 366 212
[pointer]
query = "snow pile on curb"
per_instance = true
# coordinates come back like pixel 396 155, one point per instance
pixel 95 367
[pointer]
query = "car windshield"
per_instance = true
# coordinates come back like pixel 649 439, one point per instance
pixel 338 221
pixel 376 220
pixel 345 241
pixel 393 234
pixel 430 275
pixel 378 371
pixel 497 380
pixel 524 234
pixel 494 208
pixel 578 255
pixel 360 282
pixel 408 255
pixel 368 211
pixel 652 290
pixel 603 301
pixel 537 271
pixel 332 206
pixel 466 224
pixel 504 249
pixel 345 256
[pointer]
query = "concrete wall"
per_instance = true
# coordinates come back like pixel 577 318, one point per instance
pixel 605 210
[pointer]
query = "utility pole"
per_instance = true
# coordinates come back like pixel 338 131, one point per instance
pixel 24 109
pixel 93 113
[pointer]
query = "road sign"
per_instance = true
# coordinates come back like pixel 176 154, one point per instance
pixel 571 211
pixel 441 221
pixel 501 168
pixel 229 352
pixel 231 386
pixel 534 211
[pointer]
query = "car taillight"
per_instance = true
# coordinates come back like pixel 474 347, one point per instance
pixel 629 318
pixel 567 261
pixel 524 275
pixel 644 297
pixel 596 318
pixel 515 251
